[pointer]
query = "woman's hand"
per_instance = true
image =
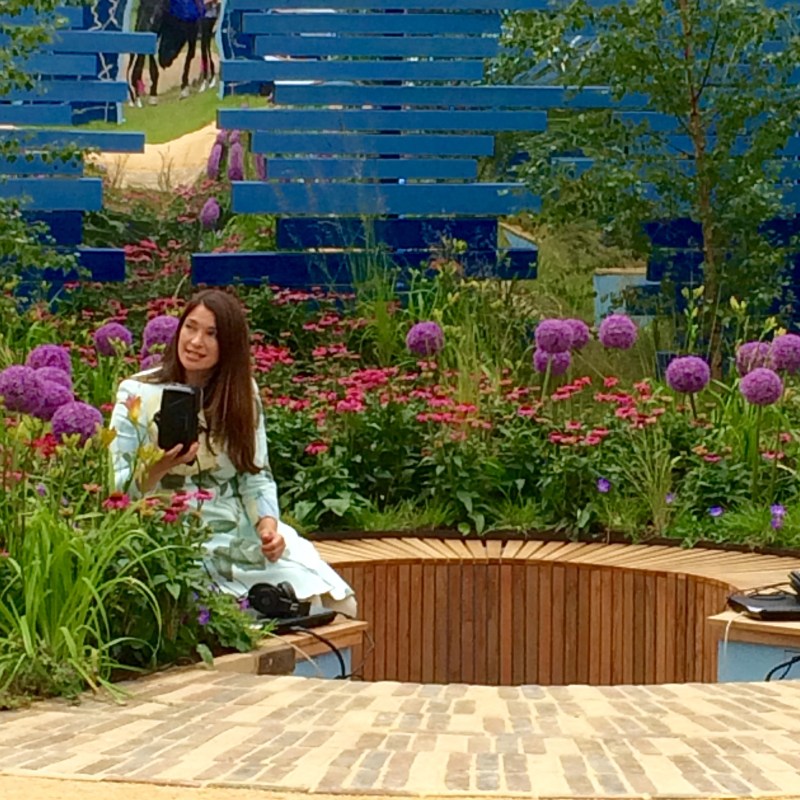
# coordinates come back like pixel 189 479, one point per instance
pixel 272 543
pixel 168 461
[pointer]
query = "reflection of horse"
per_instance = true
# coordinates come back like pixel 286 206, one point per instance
pixel 176 23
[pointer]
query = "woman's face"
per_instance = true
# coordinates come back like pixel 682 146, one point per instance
pixel 198 349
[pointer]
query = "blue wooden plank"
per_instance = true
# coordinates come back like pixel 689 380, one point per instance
pixel 37 164
pixel 83 66
pixel 457 23
pixel 682 145
pixel 681 265
pixel 406 5
pixel 73 17
pixel 662 123
pixel 335 269
pixel 75 91
pixel 382 46
pixel 327 169
pixel 102 42
pixel 104 263
pixel 65 227
pixel 679 233
pixel 289 70
pixel 285 119
pixel 373 144
pixel 532 97
pixel 299 233
pixel 42 114
pixel 54 194
pixel 108 141
pixel 410 199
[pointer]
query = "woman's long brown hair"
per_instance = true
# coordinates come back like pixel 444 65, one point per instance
pixel 228 398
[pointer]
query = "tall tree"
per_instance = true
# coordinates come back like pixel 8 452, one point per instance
pixel 717 82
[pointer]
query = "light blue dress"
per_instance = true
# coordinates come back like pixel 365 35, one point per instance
pixel 233 550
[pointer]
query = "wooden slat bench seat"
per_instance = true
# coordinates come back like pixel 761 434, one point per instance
pixel 548 612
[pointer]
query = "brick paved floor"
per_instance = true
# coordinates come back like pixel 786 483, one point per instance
pixel 202 728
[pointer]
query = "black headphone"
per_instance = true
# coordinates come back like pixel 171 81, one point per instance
pixel 277 602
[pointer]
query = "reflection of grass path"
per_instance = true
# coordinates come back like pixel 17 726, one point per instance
pixel 173 117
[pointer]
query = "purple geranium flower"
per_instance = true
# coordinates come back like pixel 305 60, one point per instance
pixel 580 333
pixel 214 162
pixel 603 485
pixel 752 355
pixel 159 331
pixel 55 375
pixel 761 387
pixel 618 331
pixel 559 362
pixel 204 616
pixel 209 213
pixel 108 337
pixel 76 418
pixel 21 389
pixel 49 355
pixel 716 511
pixel 54 395
pixel 688 374
pixel 785 353
pixel 236 162
pixel 553 336
pixel 425 338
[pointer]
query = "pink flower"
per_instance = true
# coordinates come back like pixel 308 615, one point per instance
pixel 117 501
pixel 316 448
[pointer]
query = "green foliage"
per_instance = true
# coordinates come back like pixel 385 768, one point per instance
pixel 721 74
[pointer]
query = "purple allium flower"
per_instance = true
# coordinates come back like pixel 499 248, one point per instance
pixel 559 362
pixel 716 511
pixel 49 355
pixel 752 355
pixel 209 213
pixel 236 163
pixel 54 395
pixel 603 485
pixel 55 375
pixel 761 387
pixel 618 331
pixel 777 510
pixel 159 330
pixel 688 374
pixel 260 162
pixel 553 336
pixel 151 361
pixel 580 333
pixel 107 336
pixel 21 389
pixel 204 616
pixel 785 353
pixel 425 338
pixel 214 161
pixel 76 418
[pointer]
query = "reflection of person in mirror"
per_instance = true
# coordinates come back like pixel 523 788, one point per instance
pixel 226 475
pixel 208 72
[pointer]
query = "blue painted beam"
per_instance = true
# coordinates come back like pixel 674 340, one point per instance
pixel 77 91
pixel 477 199
pixel 284 119
pixel 432 144
pixel 105 263
pixel 454 24
pixel 299 233
pixel 65 227
pixel 102 42
pixel 381 46
pixel 38 164
pixel 73 16
pixel 327 169
pixel 42 114
pixel 406 5
pixel 84 66
pixel 531 97
pixel 248 71
pixel 108 141
pixel 54 194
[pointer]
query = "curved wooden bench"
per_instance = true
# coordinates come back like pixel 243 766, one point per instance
pixel 534 612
